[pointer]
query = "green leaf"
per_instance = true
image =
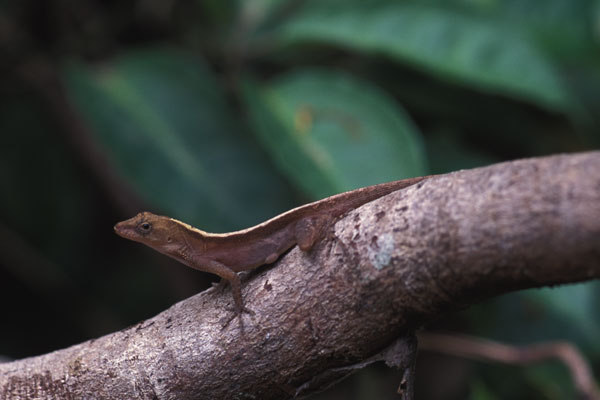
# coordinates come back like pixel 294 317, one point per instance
pixel 560 28
pixel 164 124
pixel 577 306
pixel 480 391
pixel 482 53
pixel 330 132
pixel 567 313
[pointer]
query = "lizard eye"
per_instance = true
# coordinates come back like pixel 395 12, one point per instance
pixel 145 227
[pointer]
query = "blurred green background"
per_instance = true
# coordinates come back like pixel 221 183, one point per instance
pixel 224 113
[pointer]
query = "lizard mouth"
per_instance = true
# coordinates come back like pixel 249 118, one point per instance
pixel 123 229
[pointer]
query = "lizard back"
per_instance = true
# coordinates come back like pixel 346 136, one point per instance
pixel 335 206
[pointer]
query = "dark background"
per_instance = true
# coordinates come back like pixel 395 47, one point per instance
pixel 225 113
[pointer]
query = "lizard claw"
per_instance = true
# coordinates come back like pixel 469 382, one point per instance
pixel 238 314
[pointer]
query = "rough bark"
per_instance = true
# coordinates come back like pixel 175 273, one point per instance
pixel 387 268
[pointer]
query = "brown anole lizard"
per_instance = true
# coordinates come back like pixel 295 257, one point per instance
pixel 225 254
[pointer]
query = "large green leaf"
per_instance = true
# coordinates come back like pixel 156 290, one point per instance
pixel 164 123
pixel 563 29
pixel 332 132
pixel 566 312
pixel 576 305
pixel 482 53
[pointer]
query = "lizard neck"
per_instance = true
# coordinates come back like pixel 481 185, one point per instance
pixel 183 243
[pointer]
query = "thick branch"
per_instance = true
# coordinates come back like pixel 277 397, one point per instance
pixel 389 267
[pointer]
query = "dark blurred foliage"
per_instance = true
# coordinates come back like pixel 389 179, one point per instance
pixel 224 113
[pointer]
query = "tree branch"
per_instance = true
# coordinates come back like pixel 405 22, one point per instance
pixel 488 350
pixel 389 267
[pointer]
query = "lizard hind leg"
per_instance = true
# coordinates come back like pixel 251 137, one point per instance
pixel 310 229
pixel 271 258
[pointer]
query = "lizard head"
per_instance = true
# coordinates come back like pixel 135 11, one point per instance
pixel 152 230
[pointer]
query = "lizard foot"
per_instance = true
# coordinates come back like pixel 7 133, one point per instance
pixel 236 313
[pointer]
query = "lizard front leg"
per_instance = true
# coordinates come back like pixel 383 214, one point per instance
pixel 226 273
